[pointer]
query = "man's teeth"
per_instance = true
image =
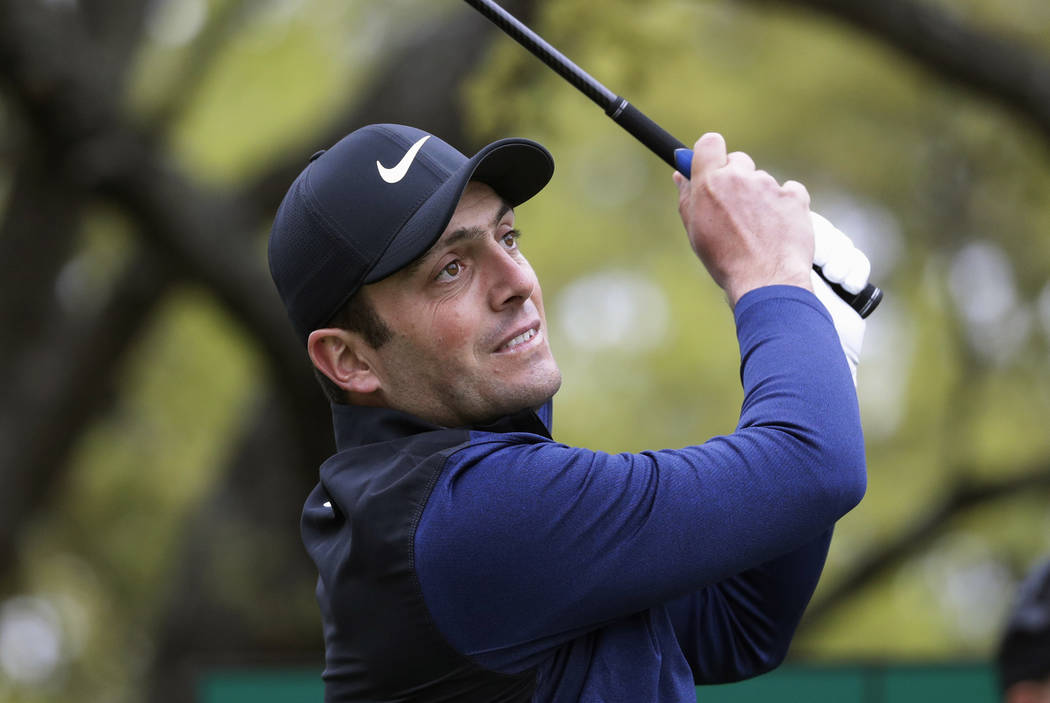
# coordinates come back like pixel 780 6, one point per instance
pixel 523 337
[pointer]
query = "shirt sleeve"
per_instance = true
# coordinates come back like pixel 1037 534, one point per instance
pixel 742 626
pixel 525 543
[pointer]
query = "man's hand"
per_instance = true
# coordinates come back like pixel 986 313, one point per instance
pixel 846 265
pixel 748 230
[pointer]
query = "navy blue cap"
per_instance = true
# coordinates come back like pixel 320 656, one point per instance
pixel 375 202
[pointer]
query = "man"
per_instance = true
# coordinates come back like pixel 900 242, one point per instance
pixel 462 553
pixel 1023 659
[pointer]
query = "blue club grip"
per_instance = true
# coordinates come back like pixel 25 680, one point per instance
pixel 863 302
pixel 683 161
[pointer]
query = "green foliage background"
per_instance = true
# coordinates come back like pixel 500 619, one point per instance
pixel 923 169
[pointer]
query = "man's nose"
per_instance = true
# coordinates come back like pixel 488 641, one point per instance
pixel 512 281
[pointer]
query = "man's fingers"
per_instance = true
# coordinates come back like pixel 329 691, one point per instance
pixel 840 261
pixel 797 189
pixel 859 272
pixel 741 160
pixel 709 153
pixel 824 234
pixel 679 180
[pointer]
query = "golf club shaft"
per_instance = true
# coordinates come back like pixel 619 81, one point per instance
pixel 656 138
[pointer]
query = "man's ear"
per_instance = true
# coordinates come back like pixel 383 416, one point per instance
pixel 341 356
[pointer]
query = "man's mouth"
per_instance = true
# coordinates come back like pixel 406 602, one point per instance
pixel 520 339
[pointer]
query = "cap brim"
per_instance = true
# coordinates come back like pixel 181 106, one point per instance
pixel 516 169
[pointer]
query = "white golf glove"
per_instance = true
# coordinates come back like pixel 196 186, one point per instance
pixel 844 264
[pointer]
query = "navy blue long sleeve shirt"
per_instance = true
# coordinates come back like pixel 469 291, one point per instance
pixel 497 564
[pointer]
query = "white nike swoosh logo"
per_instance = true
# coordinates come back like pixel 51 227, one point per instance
pixel 395 174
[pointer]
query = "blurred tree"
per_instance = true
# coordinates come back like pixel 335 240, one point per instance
pixel 159 426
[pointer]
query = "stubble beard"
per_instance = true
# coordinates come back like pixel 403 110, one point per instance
pixel 481 398
pixel 475 407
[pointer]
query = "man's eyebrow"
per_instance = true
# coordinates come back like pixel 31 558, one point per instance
pixel 454 237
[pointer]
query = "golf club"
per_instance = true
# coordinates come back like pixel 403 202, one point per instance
pixel 656 138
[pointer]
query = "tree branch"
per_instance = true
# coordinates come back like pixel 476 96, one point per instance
pixel 204 51
pixel 62 384
pixel 920 535
pixel 1000 70
pixel 36 237
pixel 77 110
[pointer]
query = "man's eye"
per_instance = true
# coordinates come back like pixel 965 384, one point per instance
pixel 510 239
pixel 451 270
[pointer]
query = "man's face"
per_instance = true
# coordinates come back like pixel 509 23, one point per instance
pixel 469 338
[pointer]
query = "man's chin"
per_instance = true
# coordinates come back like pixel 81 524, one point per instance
pixel 539 390
pixel 529 396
